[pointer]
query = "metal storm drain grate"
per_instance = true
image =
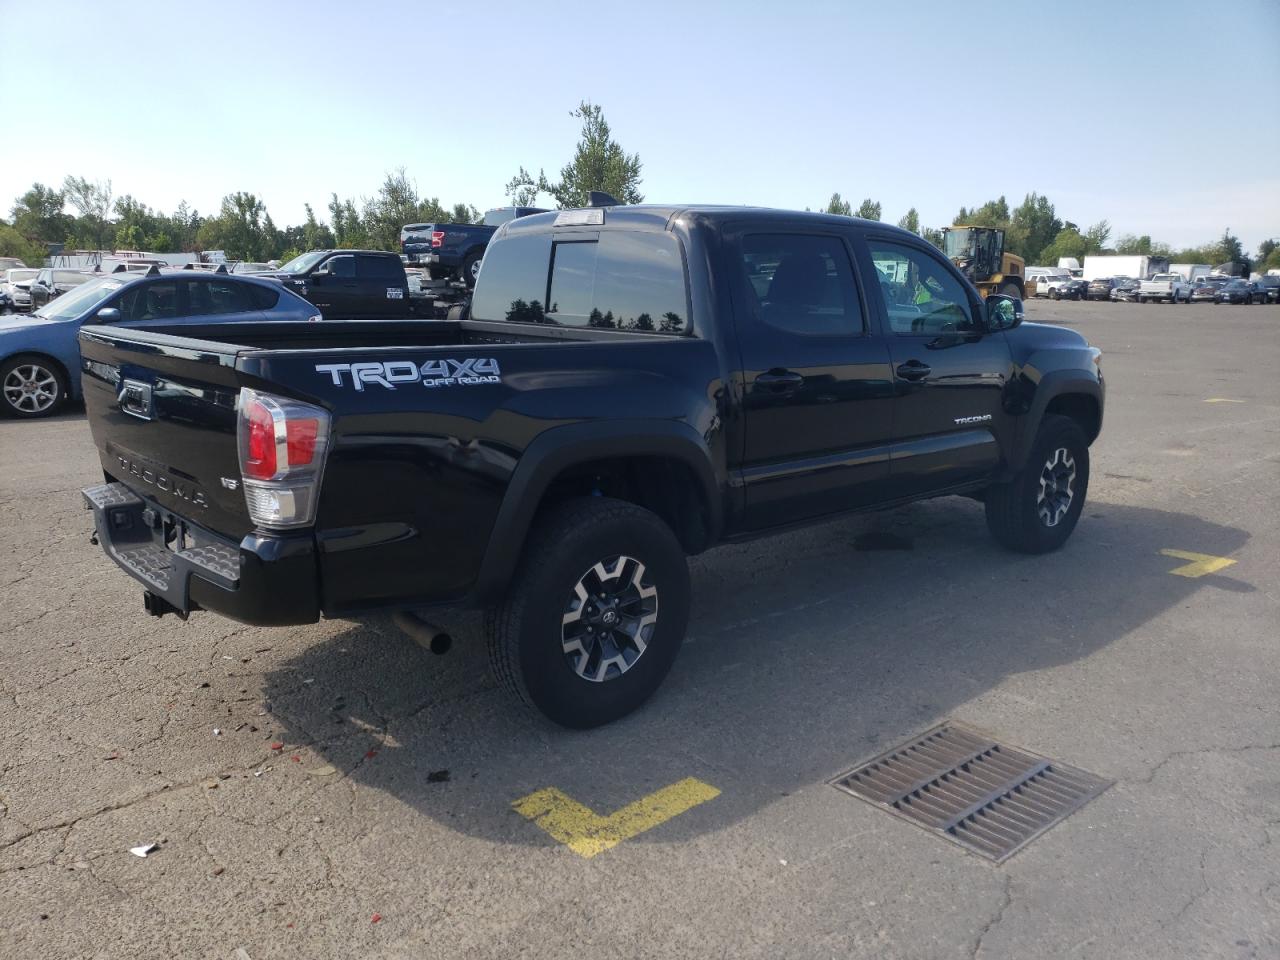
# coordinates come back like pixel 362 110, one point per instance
pixel 991 798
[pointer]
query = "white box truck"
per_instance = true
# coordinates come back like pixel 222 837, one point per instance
pixel 1191 272
pixel 1136 267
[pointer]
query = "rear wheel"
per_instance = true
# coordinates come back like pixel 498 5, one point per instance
pixel 1011 290
pixel 31 386
pixel 471 268
pixel 1037 510
pixel 595 615
pixel 1054 295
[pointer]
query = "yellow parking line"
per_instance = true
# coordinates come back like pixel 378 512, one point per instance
pixel 1201 564
pixel 587 833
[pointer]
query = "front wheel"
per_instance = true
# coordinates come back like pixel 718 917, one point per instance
pixel 1037 510
pixel 595 615
pixel 31 386
pixel 1054 295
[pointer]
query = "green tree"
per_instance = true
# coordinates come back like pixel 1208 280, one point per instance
pixel 599 163
pixel 38 215
pixel 348 227
pixel 14 244
pixel 934 236
pixel 522 189
pixel 92 200
pixel 1098 235
pixel 1033 226
pixel 1068 243
pixel 1265 249
pixel 839 206
pixel 315 235
pixel 993 213
pixel 1130 245
pixel 242 228
pixel 870 209
pixel 910 221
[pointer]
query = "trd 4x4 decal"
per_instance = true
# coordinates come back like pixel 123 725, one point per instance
pixel 431 373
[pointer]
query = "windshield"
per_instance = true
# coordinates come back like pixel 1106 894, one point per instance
pixel 956 243
pixel 14 276
pixel 304 262
pixel 80 300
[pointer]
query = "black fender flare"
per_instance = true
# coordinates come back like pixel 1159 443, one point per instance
pixel 1053 384
pixel 563 447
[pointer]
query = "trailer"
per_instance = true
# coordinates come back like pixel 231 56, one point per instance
pixel 1191 272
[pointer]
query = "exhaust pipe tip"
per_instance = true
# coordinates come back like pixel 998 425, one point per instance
pixel 424 634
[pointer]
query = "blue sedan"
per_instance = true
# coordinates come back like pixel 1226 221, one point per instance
pixel 40 353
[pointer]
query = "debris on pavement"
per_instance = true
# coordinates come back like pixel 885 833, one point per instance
pixel 438 776
pixel 144 850
pixel 377 917
pixel 277 746
pixel 327 770
pixel 242 954
pixel 259 772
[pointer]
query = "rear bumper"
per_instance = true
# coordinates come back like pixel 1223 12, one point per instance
pixel 262 580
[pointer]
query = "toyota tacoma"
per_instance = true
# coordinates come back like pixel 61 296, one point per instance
pixel 634 385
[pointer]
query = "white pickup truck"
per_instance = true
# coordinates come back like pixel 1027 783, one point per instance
pixel 1173 287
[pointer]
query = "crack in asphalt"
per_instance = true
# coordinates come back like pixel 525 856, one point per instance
pixel 1005 901
pixel 1179 754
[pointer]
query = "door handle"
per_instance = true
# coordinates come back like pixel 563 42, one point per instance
pixel 779 381
pixel 914 370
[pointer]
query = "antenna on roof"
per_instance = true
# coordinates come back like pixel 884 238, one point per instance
pixel 598 198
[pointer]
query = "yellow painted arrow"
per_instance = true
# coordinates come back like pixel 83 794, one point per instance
pixel 587 833
pixel 1202 564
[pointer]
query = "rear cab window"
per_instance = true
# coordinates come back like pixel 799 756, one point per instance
pixel 614 280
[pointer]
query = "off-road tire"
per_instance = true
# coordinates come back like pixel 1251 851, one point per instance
pixel 1013 508
pixel 525 631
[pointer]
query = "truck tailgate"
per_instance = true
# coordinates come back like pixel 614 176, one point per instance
pixel 164 421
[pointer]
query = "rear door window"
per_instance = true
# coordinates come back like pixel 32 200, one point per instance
pixel 802 283
pixel 216 297
pixel 376 268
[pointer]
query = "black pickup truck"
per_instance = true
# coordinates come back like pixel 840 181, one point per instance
pixel 348 284
pixel 634 385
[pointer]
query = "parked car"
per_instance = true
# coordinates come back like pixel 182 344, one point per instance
pixel 1239 291
pixel 1051 286
pixel 1100 289
pixel 1074 289
pixel 246 266
pixel 348 284
pixel 39 354
pixel 555 459
pixel 17 284
pixel 1206 289
pixel 455 250
pixel 50 283
pixel 1271 284
pixel 1128 291
pixel 6 304
pixel 1173 287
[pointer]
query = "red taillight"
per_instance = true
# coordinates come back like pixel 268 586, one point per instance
pixel 282 446
pixel 437 238
pixel 300 439
pixel 260 441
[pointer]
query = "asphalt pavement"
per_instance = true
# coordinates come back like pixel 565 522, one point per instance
pixel 336 790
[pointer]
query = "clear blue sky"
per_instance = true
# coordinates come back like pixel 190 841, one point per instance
pixel 764 103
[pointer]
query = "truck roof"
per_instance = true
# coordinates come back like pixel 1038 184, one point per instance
pixel 658 217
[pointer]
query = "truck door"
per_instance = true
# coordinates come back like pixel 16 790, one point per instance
pixel 383 289
pixel 817 386
pixel 337 292
pixel 949 375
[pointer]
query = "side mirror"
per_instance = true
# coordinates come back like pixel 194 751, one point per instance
pixel 1004 313
pixel 108 315
pixel 320 271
